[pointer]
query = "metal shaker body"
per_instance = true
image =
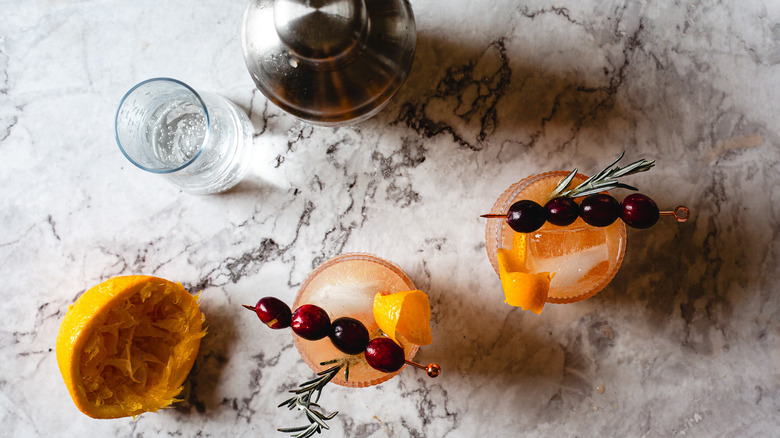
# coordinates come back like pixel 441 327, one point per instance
pixel 329 62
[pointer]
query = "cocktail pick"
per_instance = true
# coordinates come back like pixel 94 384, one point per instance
pixel 432 369
pixel 681 213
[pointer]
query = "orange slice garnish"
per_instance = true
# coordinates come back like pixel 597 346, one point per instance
pixel 407 313
pixel 522 289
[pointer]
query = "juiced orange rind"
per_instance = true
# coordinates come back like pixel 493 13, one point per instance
pixel 126 345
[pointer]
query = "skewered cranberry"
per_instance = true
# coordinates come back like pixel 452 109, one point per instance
pixel 525 216
pixel 349 335
pixel 639 211
pixel 310 322
pixel 273 312
pixel 599 210
pixel 562 211
pixel 385 355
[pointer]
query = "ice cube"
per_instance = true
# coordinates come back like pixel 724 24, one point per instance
pixel 575 255
pixel 562 241
pixel 572 268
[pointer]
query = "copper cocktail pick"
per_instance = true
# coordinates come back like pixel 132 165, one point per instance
pixel 680 213
pixel 433 369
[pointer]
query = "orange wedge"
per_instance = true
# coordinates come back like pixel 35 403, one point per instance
pixel 519 250
pixel 126 346
pixel 407 313
pixel 522 289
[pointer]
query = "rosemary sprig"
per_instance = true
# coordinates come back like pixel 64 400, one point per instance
pixel 303 401
pixel 603 181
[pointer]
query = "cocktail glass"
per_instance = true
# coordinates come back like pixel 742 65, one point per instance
pixel 346 286
pixel 200 141
pixel 584 258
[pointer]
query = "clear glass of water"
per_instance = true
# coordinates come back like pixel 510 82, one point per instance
pixel 200 141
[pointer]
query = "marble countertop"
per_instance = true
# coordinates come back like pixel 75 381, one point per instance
pixel 684 341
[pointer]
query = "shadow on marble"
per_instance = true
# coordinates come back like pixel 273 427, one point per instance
pixel 679 285
pixel 251 185
pixel 687 282
pixel 483 340
pixel 485 95
pixel 200 388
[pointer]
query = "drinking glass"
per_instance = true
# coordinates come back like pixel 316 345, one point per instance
pixel 584 258
pixel 345 286
pixel 201 142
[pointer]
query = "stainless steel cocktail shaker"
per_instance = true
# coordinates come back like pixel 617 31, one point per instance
pixel 329 62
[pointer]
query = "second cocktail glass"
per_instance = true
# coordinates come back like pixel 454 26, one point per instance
pixel 584 258
pixel 346 286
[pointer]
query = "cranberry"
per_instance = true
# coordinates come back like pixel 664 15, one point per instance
pixel 273 312
pixel 639 211
pixel 599 210
pixel 349 335
pixel 310 322
pixel 525 216
pixel 385 355
pixel 562 211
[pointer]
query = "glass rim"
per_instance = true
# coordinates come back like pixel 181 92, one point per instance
pixel 202 105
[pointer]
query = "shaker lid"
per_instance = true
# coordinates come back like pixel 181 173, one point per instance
pixel 319 30
pixel 329 61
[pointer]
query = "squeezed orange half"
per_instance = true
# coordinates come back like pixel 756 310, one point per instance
pixel 126 345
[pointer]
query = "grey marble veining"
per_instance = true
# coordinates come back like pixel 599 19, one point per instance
pixel 684 341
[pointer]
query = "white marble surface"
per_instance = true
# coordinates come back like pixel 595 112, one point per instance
pixel 684 341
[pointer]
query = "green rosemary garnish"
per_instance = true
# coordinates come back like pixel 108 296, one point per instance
pixel 603 181
pixel 303 401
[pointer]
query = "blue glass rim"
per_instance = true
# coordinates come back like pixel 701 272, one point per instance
pixel 202 104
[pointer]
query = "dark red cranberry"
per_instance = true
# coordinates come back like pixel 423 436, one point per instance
pixel 639 211
pixel 599 210
pixel 385 355
pixel 562 211
pixel 525 216
pixel 310 322
pixel 273 312
pixel 349 335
